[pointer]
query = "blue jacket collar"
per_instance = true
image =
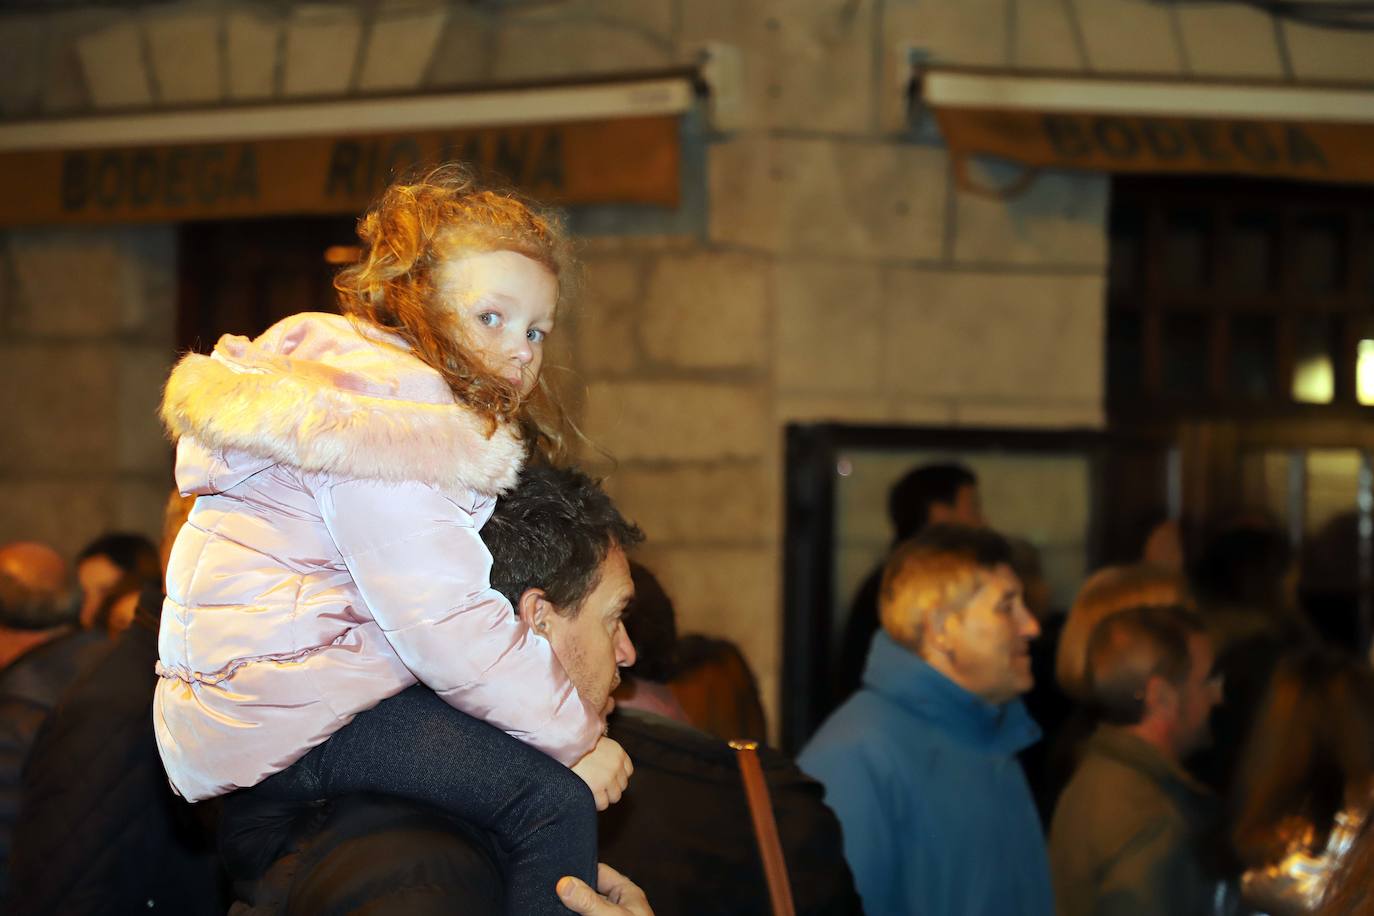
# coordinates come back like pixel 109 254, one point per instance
pixel 899 676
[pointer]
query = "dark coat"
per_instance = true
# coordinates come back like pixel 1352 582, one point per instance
pixel 99 829
pixel 29 689
pixel 682 831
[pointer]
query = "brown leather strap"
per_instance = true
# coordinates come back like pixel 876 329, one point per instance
pixel 765 828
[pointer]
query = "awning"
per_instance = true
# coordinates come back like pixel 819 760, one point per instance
pixel 606 142
pixel 1120 124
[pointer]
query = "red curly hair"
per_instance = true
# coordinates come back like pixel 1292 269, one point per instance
pixel 422 221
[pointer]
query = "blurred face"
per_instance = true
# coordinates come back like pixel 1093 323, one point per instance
pixel 985 648
pixel 505 303
pixel 1198 695
pixel 966 510
pixel 593 646
pixel 96 575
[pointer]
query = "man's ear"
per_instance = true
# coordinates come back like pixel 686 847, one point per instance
pixel 534 611
pixel 1161 697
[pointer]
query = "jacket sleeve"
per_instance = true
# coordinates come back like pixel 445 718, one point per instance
pixel 420 565
pixel 853 791
pixel 1156 873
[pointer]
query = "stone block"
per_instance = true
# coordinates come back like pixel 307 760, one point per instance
pixel 1126 36
pixel 64 512
pixel 969 32
pixel 652 17
pixel 321 50
pixel 22 43
pixel 606 316
pixel 708 310
pixel 463 54
pixel 679 421
pixel 829 328
pixel 143 446
pixel 69 282
pixel 812 67
pixel 1230 41
pixel 113 62
pixel 861 408
pixel 64 74
pixel 63 407
pixel 1044 37
pixel 719 503
pixel 1083 414
pixel 185 49
pixel 1061 219
pixel 150 283
pixel 843 198
pixel 972 336
pixel 253 41
pixel 400 46
pixel 537 50
pixel 1329 54
pixel 139 502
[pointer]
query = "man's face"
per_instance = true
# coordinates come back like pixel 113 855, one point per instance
pixel 1197 696
pixel 986 647
pixel 592 646
pixel 966 510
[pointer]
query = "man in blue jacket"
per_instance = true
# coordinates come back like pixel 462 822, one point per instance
pixel 920 765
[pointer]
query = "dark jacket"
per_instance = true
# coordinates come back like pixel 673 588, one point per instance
pixel 1128 832
pixel 29 689
pixel 99 829
pixel 682 831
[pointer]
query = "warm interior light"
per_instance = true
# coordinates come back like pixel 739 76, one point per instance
pixel 1314 381
pixel 1364 372
pixel 342 254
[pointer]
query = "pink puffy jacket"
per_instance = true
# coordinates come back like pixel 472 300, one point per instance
pixel 333 558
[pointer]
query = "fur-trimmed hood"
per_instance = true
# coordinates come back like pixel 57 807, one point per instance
pixel 324 394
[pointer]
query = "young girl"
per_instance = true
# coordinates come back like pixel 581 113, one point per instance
pixel 343 466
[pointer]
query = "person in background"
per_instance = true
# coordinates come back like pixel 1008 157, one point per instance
pixel 1108 591
pixel 1129 829
pixel 1245 581
pixel 99 829
pixel 716 687
pixel 683 829
pixel 1306 780
pixel 110 567
pixel 919 765
pixel 41 652
pixel 931 494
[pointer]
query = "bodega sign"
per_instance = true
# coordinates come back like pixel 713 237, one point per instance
pixel 1111 124
pixel 623 160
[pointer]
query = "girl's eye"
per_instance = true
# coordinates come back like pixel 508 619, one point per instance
pixel 489 319
pixel 534 335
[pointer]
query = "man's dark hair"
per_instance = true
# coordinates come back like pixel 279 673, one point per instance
pixel 135 554
pixel 651 624
pixel 911 498
pixel 552 531
pixel 1243 565
pixel 1128 648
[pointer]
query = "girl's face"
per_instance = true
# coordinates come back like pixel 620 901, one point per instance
pixel 505 303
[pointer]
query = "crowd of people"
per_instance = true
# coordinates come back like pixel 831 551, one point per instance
pixel 395 654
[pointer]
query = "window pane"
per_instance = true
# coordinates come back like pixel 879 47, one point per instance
pixel 1254 363
pixel 1187 249
pixel 1254 252
pixel 1125 365
pixel 1364 362
pixel 1319 253
pixel 1128 249
pixel 1264 482
pixel 1185 353
pixel 1333 477
pixel 1314 372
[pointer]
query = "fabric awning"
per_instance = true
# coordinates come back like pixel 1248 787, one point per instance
pixel 1146 124
pixel 607 142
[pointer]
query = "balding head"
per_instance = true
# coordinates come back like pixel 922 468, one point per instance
pixel 34 592
pixel 35 566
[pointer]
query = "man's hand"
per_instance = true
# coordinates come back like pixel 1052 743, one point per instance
pixel 606 770
pixel 619 896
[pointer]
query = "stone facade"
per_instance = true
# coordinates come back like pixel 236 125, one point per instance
pixel 835 272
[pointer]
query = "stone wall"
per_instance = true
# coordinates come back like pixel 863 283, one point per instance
pixel 835 272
